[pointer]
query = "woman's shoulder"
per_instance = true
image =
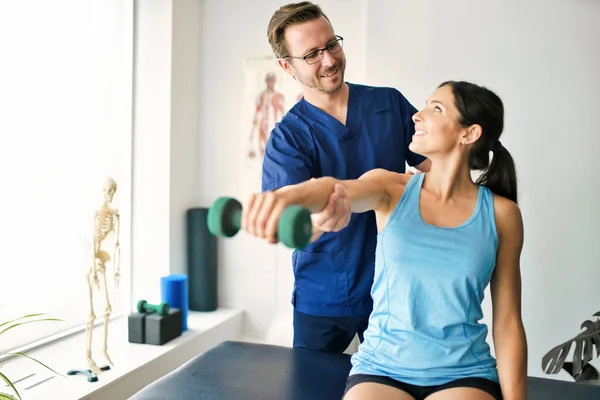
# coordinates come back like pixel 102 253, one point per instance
pixel 504 206
pixel 508 215
pixel 394 185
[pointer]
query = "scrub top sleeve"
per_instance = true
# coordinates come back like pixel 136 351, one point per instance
pixel 408 110
pixel 287 159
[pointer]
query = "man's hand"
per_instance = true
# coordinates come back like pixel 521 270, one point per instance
pixel 337 212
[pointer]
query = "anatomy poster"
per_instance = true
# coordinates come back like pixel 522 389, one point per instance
pixel 268 94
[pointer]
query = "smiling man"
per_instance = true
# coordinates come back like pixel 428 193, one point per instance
pixel 337 129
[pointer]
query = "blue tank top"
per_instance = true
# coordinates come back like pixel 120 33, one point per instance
pixel 427 292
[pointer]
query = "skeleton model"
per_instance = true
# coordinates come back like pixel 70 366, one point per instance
pixel 107 224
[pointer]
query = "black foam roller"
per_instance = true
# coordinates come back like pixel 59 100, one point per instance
pixel 201 261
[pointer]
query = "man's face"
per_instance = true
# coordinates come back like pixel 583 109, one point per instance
pixel 302 39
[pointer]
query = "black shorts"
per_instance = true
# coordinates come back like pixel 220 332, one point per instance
pixel 421 392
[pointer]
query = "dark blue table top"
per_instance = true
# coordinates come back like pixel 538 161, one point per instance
pixel 240 370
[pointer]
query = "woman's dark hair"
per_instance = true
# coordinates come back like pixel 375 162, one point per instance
pixel 479 105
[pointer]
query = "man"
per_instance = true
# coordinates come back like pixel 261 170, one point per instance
pixel 342 130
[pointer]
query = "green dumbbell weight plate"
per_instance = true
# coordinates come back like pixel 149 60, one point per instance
pixel 225 217
pixel 140 306
pixel 164 309
pixel 295 227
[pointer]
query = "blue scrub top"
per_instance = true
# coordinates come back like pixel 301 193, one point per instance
pixel 333 275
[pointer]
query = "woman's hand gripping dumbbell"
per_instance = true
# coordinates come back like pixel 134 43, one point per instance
pixel 276 222
pixel 285 214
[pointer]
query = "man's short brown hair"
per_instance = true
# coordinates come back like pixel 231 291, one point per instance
pixel 287 15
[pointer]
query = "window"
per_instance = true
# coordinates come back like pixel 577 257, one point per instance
pixel 65 126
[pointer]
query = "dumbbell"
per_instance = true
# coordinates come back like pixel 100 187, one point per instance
pixel 161 309
pixel 294 230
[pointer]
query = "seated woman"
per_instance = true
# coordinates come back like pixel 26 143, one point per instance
pixel 442 239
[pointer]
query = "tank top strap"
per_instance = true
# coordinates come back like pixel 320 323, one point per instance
pixel 410 195
pixel 487 209
pixel 413 190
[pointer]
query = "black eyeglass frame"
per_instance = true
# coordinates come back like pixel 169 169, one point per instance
pixel 321 51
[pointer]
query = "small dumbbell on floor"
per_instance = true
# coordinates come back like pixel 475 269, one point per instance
pixel 294 230
pixel 154 324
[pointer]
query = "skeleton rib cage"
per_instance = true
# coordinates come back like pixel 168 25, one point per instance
pixel 105 224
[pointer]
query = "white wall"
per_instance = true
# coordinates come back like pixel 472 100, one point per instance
pixel 541 57
pixel 166 135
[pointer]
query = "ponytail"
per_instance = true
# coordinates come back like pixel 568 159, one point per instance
pixel 500 176
pixel 479 105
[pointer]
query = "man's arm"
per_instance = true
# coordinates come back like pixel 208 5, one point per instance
pixel 261 213
pixel 508 331
pixel 288 158
pixel 287 161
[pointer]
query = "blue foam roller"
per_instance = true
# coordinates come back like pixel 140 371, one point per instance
pixel 174 290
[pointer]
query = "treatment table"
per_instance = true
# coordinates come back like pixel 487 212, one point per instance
pixel 239 370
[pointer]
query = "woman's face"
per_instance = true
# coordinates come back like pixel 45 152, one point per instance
pixel 436 126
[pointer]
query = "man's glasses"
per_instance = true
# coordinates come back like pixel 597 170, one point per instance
pixel 317 55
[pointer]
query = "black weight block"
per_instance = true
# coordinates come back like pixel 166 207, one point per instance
pixel 160 330
pixel 137 328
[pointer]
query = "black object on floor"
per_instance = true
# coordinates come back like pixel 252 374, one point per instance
pixel 237 370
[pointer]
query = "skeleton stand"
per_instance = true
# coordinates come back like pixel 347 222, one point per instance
pixel 106 224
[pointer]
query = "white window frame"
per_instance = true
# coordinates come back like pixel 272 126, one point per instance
pixel 124 190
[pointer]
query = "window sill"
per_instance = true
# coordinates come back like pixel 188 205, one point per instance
pixel 135 365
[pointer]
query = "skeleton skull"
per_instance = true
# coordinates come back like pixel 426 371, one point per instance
pixel 110 187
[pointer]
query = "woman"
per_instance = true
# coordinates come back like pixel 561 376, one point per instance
pixel 442 239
